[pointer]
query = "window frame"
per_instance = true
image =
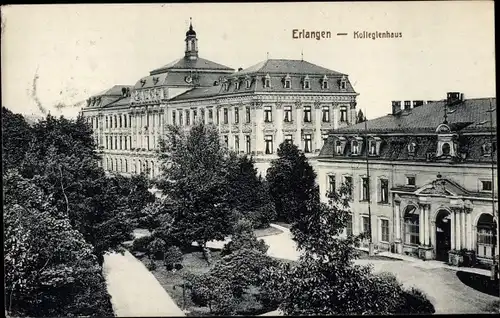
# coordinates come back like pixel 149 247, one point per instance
pixel 287 114
pixel 268 114
pixel 308 143
pixel 307 111
pixel 385 230
pixel 236 115
pixel 268 141
pixel 325 114
pixel 343 114
pixel 383 193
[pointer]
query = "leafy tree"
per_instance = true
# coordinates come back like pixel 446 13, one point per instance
pixel 136 190
pixel 291 182
pixel 326 281
pixel 195 181
pixel 212 292
pixel 360 117
pixel 244 238
pixel 16 137
pixel 50 270
pixel 62 161
pixel 250 193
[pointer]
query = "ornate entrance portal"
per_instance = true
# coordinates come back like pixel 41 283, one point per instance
pixel 443 235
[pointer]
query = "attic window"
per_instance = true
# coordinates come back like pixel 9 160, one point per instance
pixel 355 147
pixel 372 147
pixel 143 82
pixel 486 148
pixel 288 82
pixel 237 85
pixel 324 82
pixel 411 148
pixel 307 82
pixel 338 147
pixel 267 81
pixel 155 80
pixel 343 82
pixel 248 83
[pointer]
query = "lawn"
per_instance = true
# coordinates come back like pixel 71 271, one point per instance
pixel 364 255
pixel 267 231
pixel 193 262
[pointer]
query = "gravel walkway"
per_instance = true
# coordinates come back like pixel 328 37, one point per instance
pixel 134 291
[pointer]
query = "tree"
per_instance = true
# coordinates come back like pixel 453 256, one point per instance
pixel 326 281
pixel 360 117
pixel 62 161
pixel 291 182
pixel 244 238
pixel 16 137
pixel 195 174
pixel 50 270
pixel 250 193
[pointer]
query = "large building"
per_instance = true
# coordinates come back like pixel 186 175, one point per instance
pixel 255 109
pixel 423 177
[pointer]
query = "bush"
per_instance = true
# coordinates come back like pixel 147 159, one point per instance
pixel 151 265
pixel 415 302
pixel 173 257
pixel 156 248
pixel 214 293
pixel 141 244
pixel 244 238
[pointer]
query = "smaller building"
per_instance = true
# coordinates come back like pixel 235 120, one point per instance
pixel 423 177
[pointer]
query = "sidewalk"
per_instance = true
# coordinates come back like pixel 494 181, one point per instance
pixel 430 263
pixel 134 291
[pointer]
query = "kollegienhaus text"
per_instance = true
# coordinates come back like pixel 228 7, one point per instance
pixel 377 35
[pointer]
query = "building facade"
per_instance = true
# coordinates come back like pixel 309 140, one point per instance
pixel 422 179
pixel 255 109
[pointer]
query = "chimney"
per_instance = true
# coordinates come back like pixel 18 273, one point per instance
pixel 396 106
pixel 407 104
pixel 417 103
pixel 453 98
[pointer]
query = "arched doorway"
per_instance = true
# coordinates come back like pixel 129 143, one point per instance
pixel 443 235
pixel 486 236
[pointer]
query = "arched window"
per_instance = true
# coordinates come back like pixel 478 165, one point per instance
pixel 486 236
pixel 446 149
pixel 411 225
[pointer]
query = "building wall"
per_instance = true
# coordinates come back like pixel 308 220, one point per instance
pixel 466 175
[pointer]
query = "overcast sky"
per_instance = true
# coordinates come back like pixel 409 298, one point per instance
pixel 79 50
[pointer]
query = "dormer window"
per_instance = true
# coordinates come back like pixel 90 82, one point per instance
pixel 143 82
pixel 372 147
pixel 355 147
pixel 237 85
pixel 155 80
pixel 338 147
pixel 411 148
pixel 324 82
pixel 288 82
pixel 343 82
pixel 307 82
pixel 487 150
pixel 267 81
pixel 446 149
pixel 247 83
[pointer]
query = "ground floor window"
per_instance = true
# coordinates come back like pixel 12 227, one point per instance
pixel 349 225
pixel 486 236
pixel 411 226
pixel 384 230
pixel 366 224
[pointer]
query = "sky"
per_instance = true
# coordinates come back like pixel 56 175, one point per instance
pixel 74 51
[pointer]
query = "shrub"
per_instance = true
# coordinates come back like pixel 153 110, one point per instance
pixel 151 265
pixel 415 302
pixel 141 244
pixel 173 257
pixel 244 238
pixel 214 293
pixel 156 248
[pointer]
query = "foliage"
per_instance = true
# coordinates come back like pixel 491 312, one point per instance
pixel 62 161
pixel 151 265
pixel 173 256
pixel 49 268
pixel 16 137
pixel 415 301
pixel 156 248
pixel 360 118
pixel 214 293
pixel 250 193
pixel 244 238
pixel 141 244
pixel 326 281
pixel 195 172
pixel 291 182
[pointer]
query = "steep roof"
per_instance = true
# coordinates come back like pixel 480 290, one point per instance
pixel 186 63
pixel 468 114
pixel 113 91
pixel 283 66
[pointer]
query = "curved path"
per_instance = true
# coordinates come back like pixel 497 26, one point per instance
pixel 134 291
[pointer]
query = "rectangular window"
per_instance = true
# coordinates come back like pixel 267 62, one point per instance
pixel 116 142
pixel 125 142
pixel 289 139
pixel 324 137
pixel 237 143
pixel 331 184
pixel 210 115
pixel 248 114
pixel 195 114
pixel 226 140
pixel 120 121
pixel 343 114
pixel 326 114
pixel 307 143
pixel 226 116
pixel 384 230
pixel 307 114
pixel 106 121
pixel 349 225
pixel 366 224
pixel 268 114
pixel 372 146
pixel 181 121
pixel 349 184
pixel 288 83
pixel 130 141
pixel 217 116
pixel 486 185
pixel 384 191
pixel 307 84
pixel 116 123
pixel 247 141
pixel 269 144
pixel 202 115
pixel 236 115
pixel 125 121
pixel 107 142
pixel 267 83
pixel 325 85
pixel 410 180
pixel 287 114
pixel 188 119
pixel 364 194
pixel 248 83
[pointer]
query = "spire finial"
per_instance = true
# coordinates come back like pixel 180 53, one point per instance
pixel 267 55
pixel 302 55
pixel 190 23
pixel 445 121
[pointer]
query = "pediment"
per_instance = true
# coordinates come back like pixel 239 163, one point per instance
pixel 442 187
